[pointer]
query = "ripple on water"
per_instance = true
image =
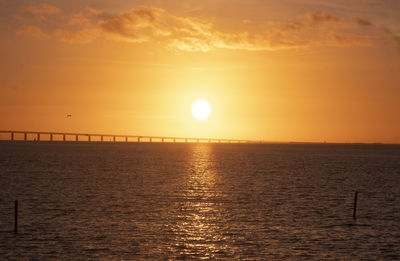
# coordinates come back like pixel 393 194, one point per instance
pixel 199 201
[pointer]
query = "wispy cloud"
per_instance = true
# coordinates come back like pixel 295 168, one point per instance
pixel 79 19
pixel 190 34
pixel 193 35
pixel 322 17
pixel 328 18
pixel 42 11
pixel 363 22
pixel 32 31
pixel 135 25
pixel 83 36
pixel 342 39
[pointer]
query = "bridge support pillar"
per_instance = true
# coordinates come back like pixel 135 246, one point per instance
pixel 76 138
pixel 101 138
pixel 38 136
pixel 51 137
pixel 12 136
pixel 162 139
pixel 151 139
pixel 25 136
pixel 138 139
pixel 89 138
pixel 64 137
pixel 126 139
pixel 114 139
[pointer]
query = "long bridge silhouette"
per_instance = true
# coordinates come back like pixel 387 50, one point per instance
pixel 16 135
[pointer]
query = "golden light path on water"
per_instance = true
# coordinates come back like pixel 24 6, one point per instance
pixel 199 229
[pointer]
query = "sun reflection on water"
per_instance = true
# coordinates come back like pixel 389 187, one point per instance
pixel 198 229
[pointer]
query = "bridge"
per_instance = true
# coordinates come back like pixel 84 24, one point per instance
pixel 15 135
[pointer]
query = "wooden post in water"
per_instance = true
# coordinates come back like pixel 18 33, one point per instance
pixel 15 216
pixel 355 205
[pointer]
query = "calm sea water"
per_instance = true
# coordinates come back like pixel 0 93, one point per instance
pixel 199 201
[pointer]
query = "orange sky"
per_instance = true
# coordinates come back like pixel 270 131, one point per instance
pixel 286 70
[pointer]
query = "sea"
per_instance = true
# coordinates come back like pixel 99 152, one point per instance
pixel 154 201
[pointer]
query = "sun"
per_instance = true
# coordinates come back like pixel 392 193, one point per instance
pixel 201 109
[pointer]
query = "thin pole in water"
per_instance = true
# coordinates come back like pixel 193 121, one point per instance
pixel 355 205
pixel 15 216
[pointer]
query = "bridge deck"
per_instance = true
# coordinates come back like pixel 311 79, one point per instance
pixel 75 137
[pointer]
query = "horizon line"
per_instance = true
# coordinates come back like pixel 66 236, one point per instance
pixel 174 138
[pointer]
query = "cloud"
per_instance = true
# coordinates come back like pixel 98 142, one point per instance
pixel 328 18
pixel 135 25
pixel 83 36
pixel 363 22
pixel 79 20
pixel 190 34
pixel 32 31
pixel 43 9
pixel 350 39
pixel 322 17
pixel 294 26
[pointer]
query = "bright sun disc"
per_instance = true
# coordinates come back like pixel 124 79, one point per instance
pixel 201 110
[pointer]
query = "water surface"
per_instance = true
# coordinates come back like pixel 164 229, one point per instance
pixel 199 201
